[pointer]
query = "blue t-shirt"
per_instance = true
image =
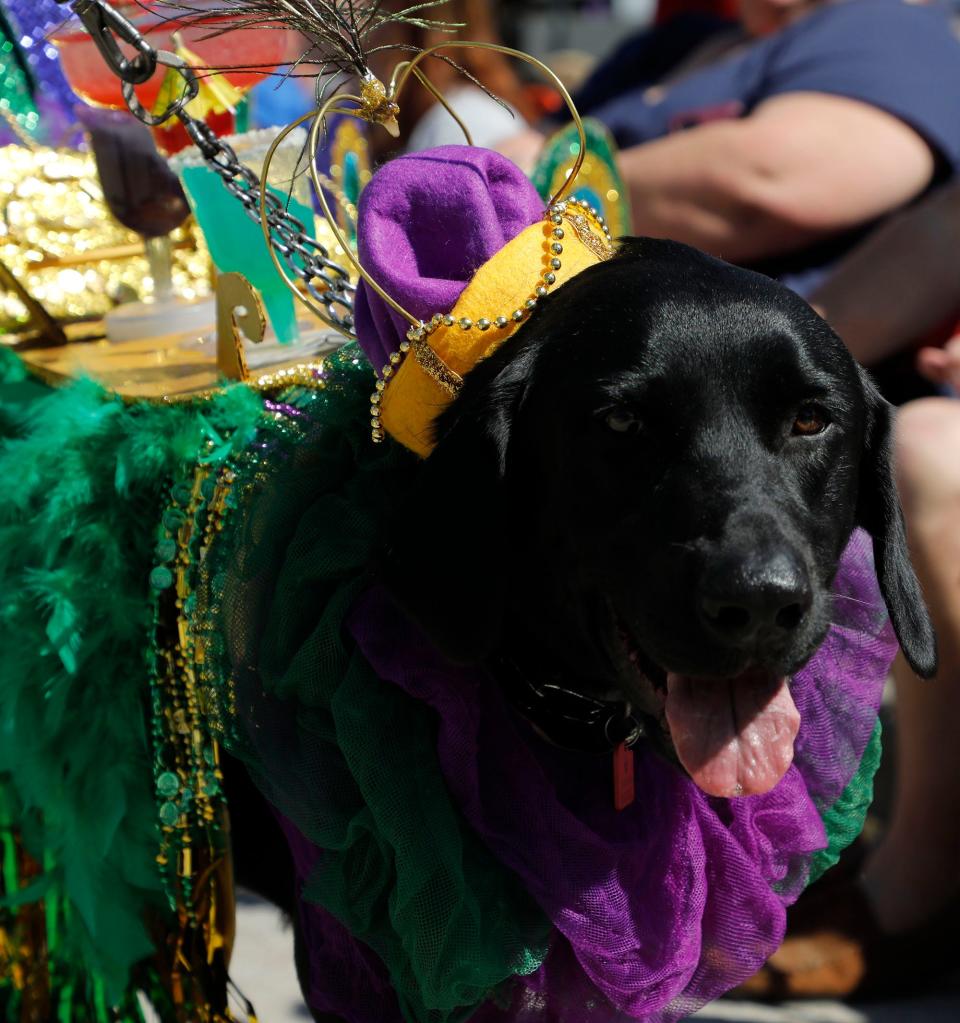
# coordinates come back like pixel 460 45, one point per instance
pixel 899 57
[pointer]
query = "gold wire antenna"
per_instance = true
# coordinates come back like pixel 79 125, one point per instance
pixel 378 104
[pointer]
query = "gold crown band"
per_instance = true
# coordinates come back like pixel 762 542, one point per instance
pixel 590 228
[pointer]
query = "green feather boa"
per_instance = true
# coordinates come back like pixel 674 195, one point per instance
pixel 87 477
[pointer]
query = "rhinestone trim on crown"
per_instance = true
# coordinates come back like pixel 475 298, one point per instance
pixel 578 214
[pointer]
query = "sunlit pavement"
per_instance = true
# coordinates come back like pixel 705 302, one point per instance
pixel 262 966
pixel 263 970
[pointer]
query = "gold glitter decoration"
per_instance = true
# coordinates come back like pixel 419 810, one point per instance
pixel 376 107
pixel 155 369
pixel 304 374
pixel 601 247
pixel 450 381
pixel 65 248
pixel 239 309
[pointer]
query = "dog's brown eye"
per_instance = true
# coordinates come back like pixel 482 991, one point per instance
pixel 810 420
pixel 622 420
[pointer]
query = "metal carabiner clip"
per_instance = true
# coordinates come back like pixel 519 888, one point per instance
pixel 191 88
pixel 104 24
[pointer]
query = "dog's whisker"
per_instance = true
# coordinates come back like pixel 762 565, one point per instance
pixel 853 600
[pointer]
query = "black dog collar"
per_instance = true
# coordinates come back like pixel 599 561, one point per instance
pixel 569 719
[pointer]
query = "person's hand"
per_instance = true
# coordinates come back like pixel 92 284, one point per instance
pixel 523 148
pixel 941 365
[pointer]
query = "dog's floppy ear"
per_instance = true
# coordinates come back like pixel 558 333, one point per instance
pixel 879 513
pixel 448 556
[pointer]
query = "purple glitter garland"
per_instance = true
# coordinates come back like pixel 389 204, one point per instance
pixel 35 21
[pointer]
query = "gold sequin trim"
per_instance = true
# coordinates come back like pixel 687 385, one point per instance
pixel 434 366
pixel 585 231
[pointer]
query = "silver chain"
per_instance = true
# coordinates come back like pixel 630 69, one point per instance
pixel 327 283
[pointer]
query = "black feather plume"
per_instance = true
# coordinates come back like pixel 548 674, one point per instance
pixel 338 32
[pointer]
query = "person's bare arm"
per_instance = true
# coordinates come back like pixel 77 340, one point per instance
pixel 942 365
pixel 523 148
pixel 801 167
pixel 899 284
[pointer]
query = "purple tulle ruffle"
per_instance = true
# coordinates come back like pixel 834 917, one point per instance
pixel 657 909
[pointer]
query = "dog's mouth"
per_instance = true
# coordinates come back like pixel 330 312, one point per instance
pixel 734 736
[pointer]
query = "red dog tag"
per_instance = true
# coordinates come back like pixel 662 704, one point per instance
pixel 622 776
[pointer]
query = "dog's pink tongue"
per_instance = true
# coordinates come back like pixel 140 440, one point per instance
pixel 734 736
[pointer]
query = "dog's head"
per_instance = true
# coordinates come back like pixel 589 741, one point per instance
pixel 646 492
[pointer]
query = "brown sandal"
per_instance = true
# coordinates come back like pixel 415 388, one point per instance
pixel 834 947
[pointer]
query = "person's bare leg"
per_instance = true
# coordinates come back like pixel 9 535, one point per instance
pixel 916 868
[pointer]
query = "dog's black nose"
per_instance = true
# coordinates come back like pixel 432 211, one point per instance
pixel 754 598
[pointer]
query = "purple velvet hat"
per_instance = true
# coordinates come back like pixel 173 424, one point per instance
pixel 428 221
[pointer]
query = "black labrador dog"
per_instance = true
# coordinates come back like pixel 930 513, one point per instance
pixel 645 493
pixel 650 486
